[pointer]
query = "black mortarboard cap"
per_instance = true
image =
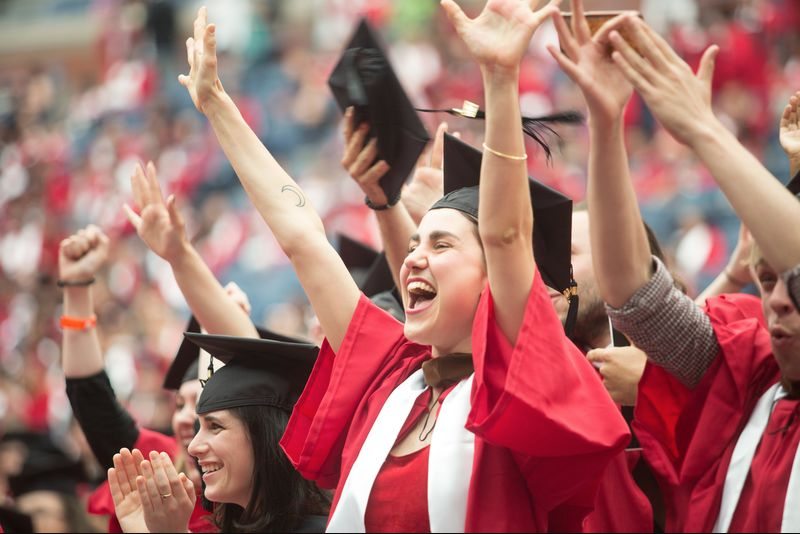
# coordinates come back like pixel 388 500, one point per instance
pixel 13 521
pixel 364 79
pixel 552 211
pixel 357 257
pixel 258 372
pixel 184 366
pixel 370 269
pixel 45 468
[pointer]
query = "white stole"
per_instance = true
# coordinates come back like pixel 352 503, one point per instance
pixel 449 466
pixel 742 459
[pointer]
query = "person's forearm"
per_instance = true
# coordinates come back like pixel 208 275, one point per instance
pixel 396 227
pixel 619 242
pixel 723 284
pixel 756 195
pixel 279 200
pixel 505 215
pixel 210 304
pixel 292 220
pixel 81 354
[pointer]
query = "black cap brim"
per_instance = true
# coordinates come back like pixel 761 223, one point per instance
pixel 364 79
pixel 258 372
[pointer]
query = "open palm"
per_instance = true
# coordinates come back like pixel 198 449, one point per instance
pixel 587 60
pixel 159 223
pixel 202 82
pixel 501 34
pixel 790 128
pixel 122 483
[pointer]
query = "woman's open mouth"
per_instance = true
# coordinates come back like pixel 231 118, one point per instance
pixel 420 296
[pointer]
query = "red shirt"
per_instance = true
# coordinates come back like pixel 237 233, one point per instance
pixel 399 498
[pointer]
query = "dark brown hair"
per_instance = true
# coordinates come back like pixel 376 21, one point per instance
pixel 280 499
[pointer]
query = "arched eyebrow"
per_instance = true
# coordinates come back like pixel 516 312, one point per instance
pixel 435 235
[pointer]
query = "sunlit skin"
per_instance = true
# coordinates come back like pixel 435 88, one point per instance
pixel 225 454
pixel 184 416
pixel 783 320
pixel 445 254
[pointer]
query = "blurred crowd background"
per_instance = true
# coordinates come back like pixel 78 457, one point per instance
pixel 88 88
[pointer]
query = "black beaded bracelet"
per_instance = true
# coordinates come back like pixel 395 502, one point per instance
pixel 380 207
pixel 76 283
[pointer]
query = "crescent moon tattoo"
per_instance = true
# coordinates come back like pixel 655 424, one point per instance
pixel 301 199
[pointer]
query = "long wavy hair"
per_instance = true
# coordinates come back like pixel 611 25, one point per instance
pixel 280 499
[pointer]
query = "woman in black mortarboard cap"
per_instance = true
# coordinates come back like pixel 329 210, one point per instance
pixel 396 418
pixel 107 425
pixel 243 409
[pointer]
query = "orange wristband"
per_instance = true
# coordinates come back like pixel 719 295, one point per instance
pixel 78 323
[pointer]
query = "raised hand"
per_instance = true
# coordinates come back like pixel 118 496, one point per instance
pixel 202 82
pixel 122 482
pixel 680 100
pixel 427 185
pixel 622 369
pixel 499 37
pixel 586 59
pixel 82 254
pixel 167 497
pixel 159 223
pixel 359 159
pixel 790 132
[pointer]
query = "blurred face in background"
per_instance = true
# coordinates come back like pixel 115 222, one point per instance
pixel 183 420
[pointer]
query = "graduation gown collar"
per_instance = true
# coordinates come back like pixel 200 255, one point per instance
pixel 742 459
pixel 449 466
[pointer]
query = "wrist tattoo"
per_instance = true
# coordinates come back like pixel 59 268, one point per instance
pixel 301 199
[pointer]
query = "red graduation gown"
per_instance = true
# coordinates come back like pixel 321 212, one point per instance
pixel 544 426
pixel 689 435
pixel 621 506
pixel 101 502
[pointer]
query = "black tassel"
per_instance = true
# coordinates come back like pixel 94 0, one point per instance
pixel 537 128
pixel 574 303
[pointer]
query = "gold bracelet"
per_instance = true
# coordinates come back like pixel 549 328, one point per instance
pixel 502 155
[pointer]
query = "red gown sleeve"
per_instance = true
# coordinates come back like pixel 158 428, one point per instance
pixel 684 432
pixel 374 355
pixel 545 402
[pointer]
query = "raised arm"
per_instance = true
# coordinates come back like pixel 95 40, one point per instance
pixel 161 227
pixel 681 101
pixel 280 201
pixel 498 39
pixel 736 275
pixel 80 257
pixel 622 260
